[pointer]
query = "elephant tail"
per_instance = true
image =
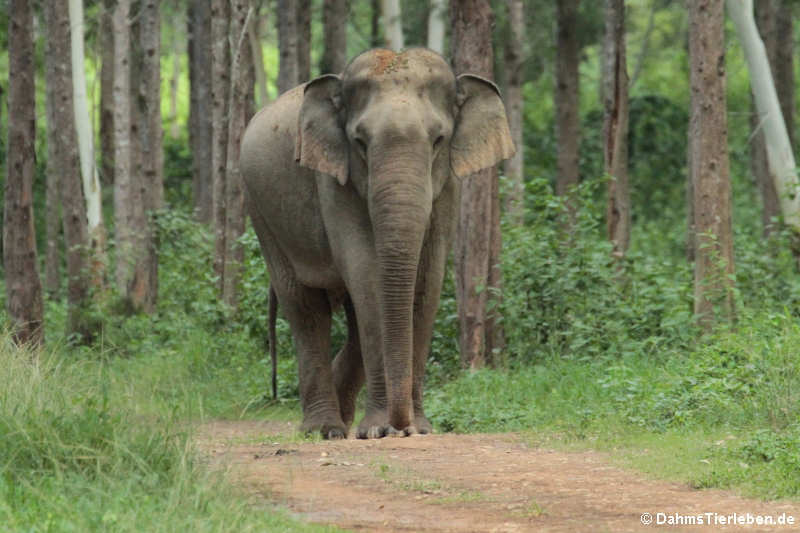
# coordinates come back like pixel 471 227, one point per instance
pixel 273 316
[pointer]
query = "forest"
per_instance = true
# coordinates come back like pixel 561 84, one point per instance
pixel 626 284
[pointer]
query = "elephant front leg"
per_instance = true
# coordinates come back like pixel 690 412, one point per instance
pixel 309 314
pixel 348 368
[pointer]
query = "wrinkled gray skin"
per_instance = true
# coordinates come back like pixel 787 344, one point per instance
pixel 352 186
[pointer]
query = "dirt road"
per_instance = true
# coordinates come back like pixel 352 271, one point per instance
pixel 465 483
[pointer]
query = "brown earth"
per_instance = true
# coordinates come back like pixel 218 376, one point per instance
pixel 460 483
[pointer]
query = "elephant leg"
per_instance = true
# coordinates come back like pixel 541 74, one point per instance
pixel 309 314
pixel 433 261
pixel 348 368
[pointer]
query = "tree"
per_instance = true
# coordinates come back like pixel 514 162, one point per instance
pixel 566 95
pixel 780 157
pixel 436 16
pixel 288 69
pixel 303 40
pixel 708 144
pixel 515 200
pixel 334 22
pixel 392 24
pixel 52 257
pixel 784 63
pixel 91 182
pixel 200 125
pixel 478 241
pixel 63 161
pixel 220 85
pixel 23 286
pixel 241 86
pixel 106 37
pixel 254 35
pixel 615 128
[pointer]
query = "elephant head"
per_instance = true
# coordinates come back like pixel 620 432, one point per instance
pixel 397 126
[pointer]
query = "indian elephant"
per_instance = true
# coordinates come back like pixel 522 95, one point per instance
pixel 352 184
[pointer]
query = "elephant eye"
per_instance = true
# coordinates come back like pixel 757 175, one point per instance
pixel 438 142
pixel 362 148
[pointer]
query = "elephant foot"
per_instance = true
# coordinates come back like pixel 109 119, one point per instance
pixel 374 425
pixel 347 408
pixel 423 425
pixel 329 430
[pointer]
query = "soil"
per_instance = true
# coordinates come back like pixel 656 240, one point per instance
pixel 461 483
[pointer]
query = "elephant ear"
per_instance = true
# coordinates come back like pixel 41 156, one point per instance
pixel 481 137
pixel 321 141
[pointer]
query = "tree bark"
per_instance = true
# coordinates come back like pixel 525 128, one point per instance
pixel 52 258
pixel 714 267
pixel 177 23
pixel 200 129
pixel 63 161
pixel 780 157
pixel 241 86
pixel 254 35
pixel 334 22
pixel 615 129
pixel 91 182
pixel 566 96
pixel 106 36
pixel 515 167
pixel 392 24
pixel 784 63
pixel 23 286
pixel 303 40
pixel 436 16
pixel 288 70
pixel 220 86
pixel 375 24
pixel 478 274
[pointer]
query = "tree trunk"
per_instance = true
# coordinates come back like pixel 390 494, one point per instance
pixel 392 24
pixel 478 275
pixel 566 96
pixel 436 16
pixel 106 36
pixel 765 12
pixel 784 63
pixel 23 286
pixel 91 182
pixel 241 86
pixel 303 40
pixel 254 35
pixel 220 86
pixel 151 180
pixel 288 70
pixel 52 258
pixel 780 157
pixel 714 267
pixel 200 126
pixel 615 129
pixel 63 161
pixel 515 167
pixel 375 24
pixel 334 21
pixel 177 23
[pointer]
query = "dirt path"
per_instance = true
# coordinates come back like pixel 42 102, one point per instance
pixel 460 483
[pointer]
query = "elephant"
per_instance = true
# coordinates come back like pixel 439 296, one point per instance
pixel 352 183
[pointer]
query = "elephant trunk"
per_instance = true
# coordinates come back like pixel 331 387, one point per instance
pixel 400 201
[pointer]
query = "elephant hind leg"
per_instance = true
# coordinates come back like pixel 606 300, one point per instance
pixel 348 368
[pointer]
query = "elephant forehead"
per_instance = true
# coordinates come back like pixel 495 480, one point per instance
pixel 382 64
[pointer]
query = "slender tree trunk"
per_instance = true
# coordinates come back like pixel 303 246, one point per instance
pixel 241 86
pixel 714 267
pixel 375 24
pixel 52 258
pixel 515 167
pixel 200 130
pixel 151 180
pixel 91 182
pixel 765 12
pixel 437 13
pixel 177 26
pixel 780 157
pixel 478 274
pixel 23 286
pixel 566 96
pixel 288 70
pixel 106 36
pixel 254 35
pixel 615 129
pixel 334 22
pixel 392 24
pixel 784 63
pixel 220 85
pixel 303 40
pixel 63 161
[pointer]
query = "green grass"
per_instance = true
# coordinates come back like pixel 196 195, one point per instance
pixel 85 447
